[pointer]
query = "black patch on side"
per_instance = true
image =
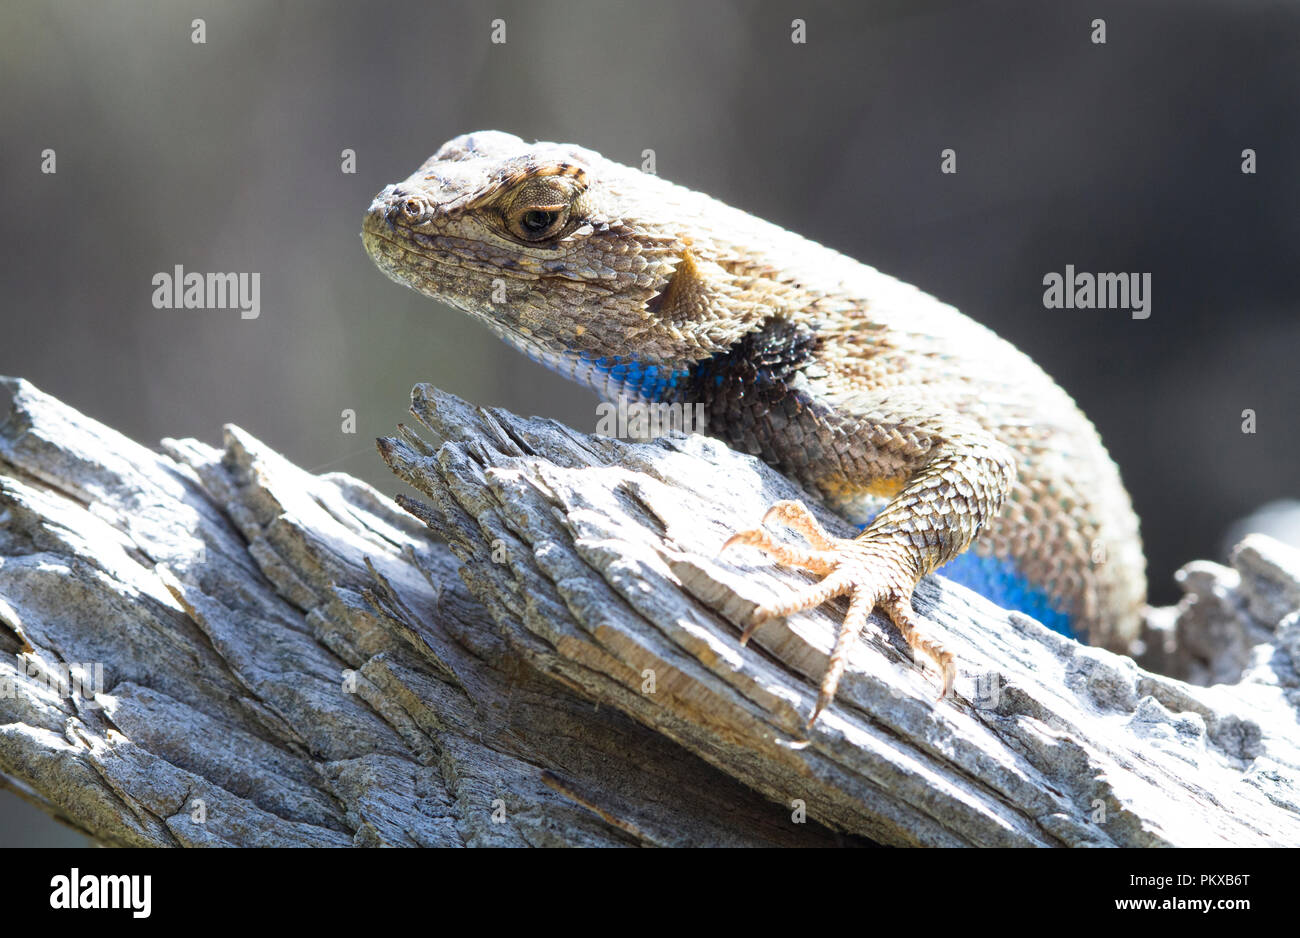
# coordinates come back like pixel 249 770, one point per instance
pixel 759 366
pixel 749 400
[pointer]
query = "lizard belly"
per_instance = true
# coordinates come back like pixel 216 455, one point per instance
pixel 1000 580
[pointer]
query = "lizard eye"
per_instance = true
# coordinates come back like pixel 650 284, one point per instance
pixel 537 224
pixel 536 221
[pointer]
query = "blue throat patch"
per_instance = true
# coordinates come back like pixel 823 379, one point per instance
pixel 635 380
pixel 612 377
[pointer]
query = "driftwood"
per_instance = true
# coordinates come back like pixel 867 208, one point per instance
pixel 207 646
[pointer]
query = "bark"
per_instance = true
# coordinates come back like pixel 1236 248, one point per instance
pixel 206 646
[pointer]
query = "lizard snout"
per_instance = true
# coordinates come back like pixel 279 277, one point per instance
pixel 387 203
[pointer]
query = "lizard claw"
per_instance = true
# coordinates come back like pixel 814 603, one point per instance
pixel 820 560
pixel 868 570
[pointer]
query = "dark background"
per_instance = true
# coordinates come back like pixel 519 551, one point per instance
pixel 225 157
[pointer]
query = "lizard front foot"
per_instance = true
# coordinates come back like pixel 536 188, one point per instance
pixel 871 569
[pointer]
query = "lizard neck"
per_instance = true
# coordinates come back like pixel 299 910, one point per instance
pixel 612 377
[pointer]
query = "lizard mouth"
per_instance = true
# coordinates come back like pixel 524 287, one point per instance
pixel 399 261
pixel 403 257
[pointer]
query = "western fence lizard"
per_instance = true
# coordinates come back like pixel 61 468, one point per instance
pixel 909 419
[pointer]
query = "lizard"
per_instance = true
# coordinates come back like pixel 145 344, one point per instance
pixel 944 444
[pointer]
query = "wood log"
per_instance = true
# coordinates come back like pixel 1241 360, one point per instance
pixel 205 646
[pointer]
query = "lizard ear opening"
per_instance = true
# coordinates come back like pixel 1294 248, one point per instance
pixel 683 291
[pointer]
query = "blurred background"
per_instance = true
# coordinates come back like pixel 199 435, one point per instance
pixel 225 156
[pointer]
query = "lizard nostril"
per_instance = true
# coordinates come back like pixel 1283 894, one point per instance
pixel 412 208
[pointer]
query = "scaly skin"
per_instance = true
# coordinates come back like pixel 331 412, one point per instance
pixel 907 418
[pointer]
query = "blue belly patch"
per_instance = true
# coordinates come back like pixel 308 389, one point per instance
pixel 998 580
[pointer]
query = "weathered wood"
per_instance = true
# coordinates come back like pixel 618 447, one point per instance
pixel 253 693
pixel 300 656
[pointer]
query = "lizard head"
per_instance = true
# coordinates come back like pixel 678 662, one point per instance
pixel 578 261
